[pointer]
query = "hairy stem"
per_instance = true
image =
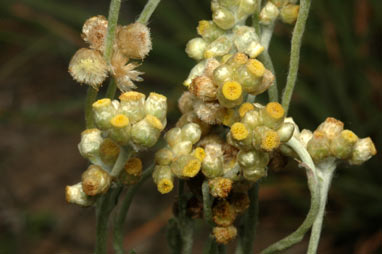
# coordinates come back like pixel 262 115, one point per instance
pixel 298 32
pixel 313 185
pixel 115 5
pixel 184 223
pixel 207 203
pixel 120 162
pixel 91 96
pixel 121 216
pixel 250 220
pixel 111 89
pixel 145 15
pixel 325 171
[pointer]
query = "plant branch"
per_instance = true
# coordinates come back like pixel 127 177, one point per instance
pixel 120 162
pixel 184 223
pixel 121 216
pixel 148 10
pixel 207 203
pixel 313 185
pixel 325 171
pixel 91 96
pixel 298 32
pixel 115 5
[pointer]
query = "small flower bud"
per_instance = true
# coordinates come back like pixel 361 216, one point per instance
pixel 95 180
pixel 229 3
pixel 163 178
pixel 273 115
pixel 266 82
pixel 246 7
pixel 182 148
pixel 191 132
pixel 208 112
pixel 186 102
pixel 285 131
pixel 244 108
pixel 133 167
pixel 220 187
pixel 94 32
pixel 253 158
pixel 156 105
pixel 218 47
pixel 195 48
pixel 289 13
pixel 134 40
pixel 363 150
pixel 253 174
pixel 191 117
pixel 240 201
pixel 318 146
pixel 173 136
pixel 223 213
pixel 199 153
pixel 75 194
pixel 269 13
pixel 266 138
pixel 247 41
pixel 108 152
pixel 147 131
pixel 342 145
pixel 91 141
pixel 120 129
pixel 103 112
pixel 89 67
pixel 164 156
pixel 212 165
pixel 186 166
pixel 252 119
pixel 230 94
pixel 223 235
pixel 133 106
pixel 203 88
pixel 209 30
pixel 197 70
pixel 222 74
pixel 331 127
pixel 236 60
pixel 223 18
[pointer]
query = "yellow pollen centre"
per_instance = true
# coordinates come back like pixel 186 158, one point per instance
pixel 134 167
pixel 102 103
pixel 199 153
pixel 244 108
pixel 256 67
pixel 232 90
pixel 275 110
pixel 202 27
pixel 349 136
pixel 239 131
pixel 191 168
pixel 131 96
pixel 270 141
pixel 155 122
pixel 119 121
pixel 240 58
pixel 165 186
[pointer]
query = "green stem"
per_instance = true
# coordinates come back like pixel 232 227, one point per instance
pixel 211 247
pixel 115 5
pixel 121 216
pixel 325 172
pixel 145 15
pixel 255 17
pixel 91 96
pixel 266 35
pixel 295 52
pixel 111 89
pixel 251 220
pixel 313 185
pixel 207 203
pixel 121 162
pixel 105 205
pixel 184 223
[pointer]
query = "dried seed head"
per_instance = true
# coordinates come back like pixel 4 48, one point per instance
pixel 134 40
pixel 108 152
pixel 223 213
pixel 203 88
pixel 208 112
pixel 186 102
pixel 363 150
pixel 240 201
pixel 95 180
pixel 224 235
pixel 75 194
pixel 134 167
pixel 220 187
pixel 94 32
pixel 89 67
pixel 123 72
pixel 331 127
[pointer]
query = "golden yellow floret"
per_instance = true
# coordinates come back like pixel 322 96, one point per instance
pixel 244 108
pixel 275 110
pixel 119 121
pixel 199 153
pixel 270 141
pixel 134 166
pixel 131 96
pixel 165 186
pixel 191 168
pixel 240 58
pixel 202 27
pixel 159 96
pixel 102 103
pixel 154 122
pixel 349 136
pixel 239 131
pixel 255 67
pixel 232 90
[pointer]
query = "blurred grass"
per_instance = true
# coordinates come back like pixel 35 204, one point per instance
pixel 340 76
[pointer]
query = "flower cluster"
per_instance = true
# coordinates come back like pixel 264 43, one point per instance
pixel 287 10
pixel 88 65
